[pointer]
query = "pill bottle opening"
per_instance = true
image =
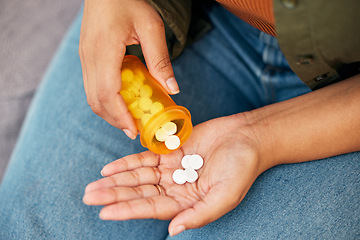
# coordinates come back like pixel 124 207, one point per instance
pixel 176 114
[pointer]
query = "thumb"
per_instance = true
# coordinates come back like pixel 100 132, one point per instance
pixel 215 204
pixel 153 45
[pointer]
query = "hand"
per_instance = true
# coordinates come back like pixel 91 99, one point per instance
pixel 232 162
pixel 108 26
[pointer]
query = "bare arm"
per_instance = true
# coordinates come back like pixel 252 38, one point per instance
pixel 317 125
pixel 320 124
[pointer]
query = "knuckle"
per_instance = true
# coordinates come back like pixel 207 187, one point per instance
pixel 139 192
pixel 162 62
pixel 125 165
pixel 104 94
pixel 153 208
pixel 156 174
pixel 136 176
pixel 115 194
pixel 122 114
pixel 154 24
pixel 141 159
pixel 96 108
pixel 118 118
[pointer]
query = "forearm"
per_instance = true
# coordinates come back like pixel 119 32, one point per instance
pixel 316 125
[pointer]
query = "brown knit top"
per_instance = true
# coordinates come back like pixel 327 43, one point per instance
pixel 258 13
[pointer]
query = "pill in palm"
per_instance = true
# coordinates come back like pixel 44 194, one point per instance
pixel 195 161
pixel 172 142
pixel 190 175
pixel 169 128
pixel 185 161
pixel 179 176
pixel 191 163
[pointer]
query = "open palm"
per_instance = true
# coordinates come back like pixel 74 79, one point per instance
pixel 231 165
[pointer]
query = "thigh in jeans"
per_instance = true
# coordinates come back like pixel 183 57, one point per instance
pixel 311 200
pixel 62 147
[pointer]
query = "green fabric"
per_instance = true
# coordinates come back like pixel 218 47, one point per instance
pixel 176 15
pixel 319 55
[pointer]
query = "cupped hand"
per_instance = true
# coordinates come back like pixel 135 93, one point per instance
pixel 231 164
pixel 108 26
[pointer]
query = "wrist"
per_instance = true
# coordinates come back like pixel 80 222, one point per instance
pixel 257 122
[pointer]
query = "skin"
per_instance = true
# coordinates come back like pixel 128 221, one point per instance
pixel 234 157
pixel 108 26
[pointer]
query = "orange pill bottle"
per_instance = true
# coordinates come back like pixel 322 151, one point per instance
pixel 150 106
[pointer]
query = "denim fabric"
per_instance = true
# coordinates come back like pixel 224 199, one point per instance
pixel 63 146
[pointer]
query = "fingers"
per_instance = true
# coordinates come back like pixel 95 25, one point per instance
pixel 101 51
pixel 144 159
pixel 158 207
pixel 108 196
pixel 105 99
pixel 105 33
pixel 136 177
pixel 215 204
pixel 102 82
pixel 154 47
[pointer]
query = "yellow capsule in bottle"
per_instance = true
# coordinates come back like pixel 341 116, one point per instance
pixel 151 106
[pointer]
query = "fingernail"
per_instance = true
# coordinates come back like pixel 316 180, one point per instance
pixel 172 85
pixel 129 134
pixel 176 230
pixel 103 171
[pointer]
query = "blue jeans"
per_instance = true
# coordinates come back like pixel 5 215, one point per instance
pixel 63 146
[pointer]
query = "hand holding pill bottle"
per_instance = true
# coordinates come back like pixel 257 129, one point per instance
pixel 163 125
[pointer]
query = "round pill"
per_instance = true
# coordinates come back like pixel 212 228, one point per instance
pixel 136 83
pixel 160 135
pixel 196 161
pixel 190 175
pixel 134 91
pixel 137 113
pixel 145 118
pixel 127 96
pixel 172 142
pixel 179 176
pixel 169 128
pixel 156 107
pixel 127 75
pixel 185 161
pixel 145 103
pixel 133 105
pixel 139 74
pixel 145 91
